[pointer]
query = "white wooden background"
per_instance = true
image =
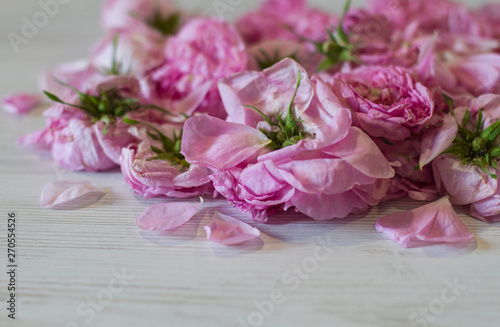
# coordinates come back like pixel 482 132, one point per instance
pixel 67 259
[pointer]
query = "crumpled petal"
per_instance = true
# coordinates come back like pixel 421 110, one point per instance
pixel 433 223
pixel 229 231
pixel 21 104
pixel 167 216
pixel 70 195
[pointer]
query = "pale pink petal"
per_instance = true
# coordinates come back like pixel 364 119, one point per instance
pixel 70 195
pixel 218 144
pixel 436 140
pixel 21 104
pixel 270 91
pixel 167 216
pixel 77 74
pixel 433 223
pixel 229 231
pixel 41 139
pixel 362 153
pixel 324 206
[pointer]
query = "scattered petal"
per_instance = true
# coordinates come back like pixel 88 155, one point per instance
pixel 70 195
pixel 21 103
pixel 229 231
pixel 433 223
pixel 167 216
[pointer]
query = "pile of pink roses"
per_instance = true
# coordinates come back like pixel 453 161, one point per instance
pixel 291 108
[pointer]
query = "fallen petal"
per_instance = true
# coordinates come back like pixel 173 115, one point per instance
pixel 433 223
pixel 229 231
pixel 70 195
pixel 167 216
pixel 21 103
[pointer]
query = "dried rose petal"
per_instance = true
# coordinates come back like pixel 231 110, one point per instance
pixel 229 231
pixel 433 223
pixel 70 195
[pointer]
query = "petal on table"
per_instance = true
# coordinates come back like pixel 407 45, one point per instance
pixel 70 195
pixel 433 223
pixel 167 216
pixel 229 231
pixel 21 103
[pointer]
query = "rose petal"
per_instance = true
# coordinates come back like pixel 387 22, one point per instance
pixel 270 91
pixel 70 195
pixel 217 144
pixel 433 223
pixel 487 210
pixel 437 139
pixel 167 216
pixel 21 104
pixel 229 231
pixel 465 184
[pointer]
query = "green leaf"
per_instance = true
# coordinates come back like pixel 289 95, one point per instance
pixel 466 118
pixel 347 6
pixel 495 152
pixel 388 143
pixel 151 106
pixel 167 26
pixel 492 132
pixel 131 121
pixel 156 150
pixel 53 97
pixel 262 114
pixel 480 122
pixel 449 101
pixel 326 64
pixel 114 63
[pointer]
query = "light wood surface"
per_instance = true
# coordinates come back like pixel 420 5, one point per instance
pixel 67 259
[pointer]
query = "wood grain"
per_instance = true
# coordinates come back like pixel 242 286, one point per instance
pixel 68 258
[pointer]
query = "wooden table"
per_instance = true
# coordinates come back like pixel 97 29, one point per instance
pixel 93 267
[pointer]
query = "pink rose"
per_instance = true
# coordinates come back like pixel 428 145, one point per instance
pixel 136 16
pixel 203 51
pixel 478 74
pixel 377 41
pixel 424 17
pixel 465 184
pixel 275 18
pixel 387 101
pixel 489 14
pixel 315 162
pixel 161 174
pixel 417 184
pixel 135 54
pixel 276 29
pixel 469 172
pixel 89 134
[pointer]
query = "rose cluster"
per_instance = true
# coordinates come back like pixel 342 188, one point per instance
pixel 290 108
